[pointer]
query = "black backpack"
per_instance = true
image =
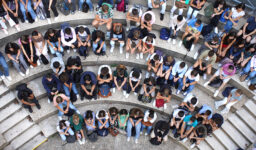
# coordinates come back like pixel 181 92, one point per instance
pixel 71 139
pixel 92 136
pixel 85 7
pixel 216 82
pixel 154 141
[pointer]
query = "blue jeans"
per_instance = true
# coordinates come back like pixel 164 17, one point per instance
pixel 63 137
pixel 89 2
pixel 163 7
pixel 172 35
pixel 4 66
pixel 228 26
pixel 22 62
pixel 192 12
pixel 66 89
pixel 149 128
pixel 103 120
pixel 73 5
pixel 95 46
pixel 71 106
pixel 30 10
pixel 247 69
pixel 58 53
pixel 129 129
pixel 165 68
pixel 190 88
pixel 108 1
pixel 171 79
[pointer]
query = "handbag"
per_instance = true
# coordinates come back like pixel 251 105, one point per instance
pixel 113 131
pixel 179 5
pixel 148 124
pixel 243 77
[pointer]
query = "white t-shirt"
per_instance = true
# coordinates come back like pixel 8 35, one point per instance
pixel 175 114
pixel 145 119
pixel 140 11
pixel 236 14
pixel 188 75
pixel 134 79
pixel 106 115
pixel 152 14
pixel 153 43
pixel 102 66
pixel 67 125
pixel 188 99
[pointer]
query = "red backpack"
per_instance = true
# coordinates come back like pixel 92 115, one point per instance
pixel 120 6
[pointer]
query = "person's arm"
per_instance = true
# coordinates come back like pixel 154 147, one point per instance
pixel 18 55
pixel 189 131
pixel 137 84
pixel 66 131
pixel 131 122
pixel 229 45
pixel 37 4
pixel 125 79
pixel 50 4
pixel 6 7
pixel 27 103
pixel 68 102
pixel 138 122
pixel 244 28
pixel 74 36
pixel 58 107
pixel 191 4
pixel 23 50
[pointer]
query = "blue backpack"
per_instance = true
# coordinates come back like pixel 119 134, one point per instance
pixel 104 90
pixel 64 26
pixel 164 34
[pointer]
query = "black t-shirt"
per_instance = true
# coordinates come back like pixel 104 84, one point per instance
pixel 195 3
pixel 77 61
pixel 23 97
pixel 131 34
pixel 94 36
pixel 54 38
pixel 15 47
pixel 146 81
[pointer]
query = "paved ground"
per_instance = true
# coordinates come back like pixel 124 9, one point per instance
pixel 108 143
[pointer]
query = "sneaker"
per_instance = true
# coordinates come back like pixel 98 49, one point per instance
pixel 127 95
pixel 27 71
pixel 178 92
pixel 60 118
pixel 206 83
pixel 3 77
pixel 80 142
pixel 77 96
pixel 169 40
pixel 193 145
pixel 68 51
pixel 114 90
pixel 127 55
pixel 38 106
pixel 146 134
pixel 73 12
pixel 22 74
pixel 174 41
pixel 17 27
pixel 49 21
pixel 112 49
pixel 128 139
pixel 49 101
pixel 124 93
pixel 149 9
pixel 161 17
pixel 74 50
pixel 141 55
pixel 31 66
pixel 141 133
pixel 36 19
pixel 127 29
pixel 26 21
pixel 9 78
pixel 83 141
pixel 121 50
pixel 184 140
pixel 192 47
pixel 30 110
pixel 56 18
pixel 136 141
pixel 249 83
pixel 135 93
pixel 216 93
pixel 137 56
pixel 195 56
pixel 180 43
pixel 205 76
pixel 5 31
pixel 38 63
pixel 185 93
pixel 216 30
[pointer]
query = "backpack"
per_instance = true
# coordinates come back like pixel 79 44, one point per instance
pixel 154 141
pixel 85 7
pixel 64 26
pixel 104 90
pixel 73 97
pixel 92 136
pixel 102 132
pixel 209 10
pixel 227 91
pixel 70 112
pixel 71 139
pixel 207 29
pixel 164 34
pixel 216 82
pixel 63 8
pixel 120 6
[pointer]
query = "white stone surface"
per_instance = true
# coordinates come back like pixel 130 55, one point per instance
pixel 214 143
pixel 33 142
pixel 247 118
pixel 6 99
pixel 251 106
pixel 9 110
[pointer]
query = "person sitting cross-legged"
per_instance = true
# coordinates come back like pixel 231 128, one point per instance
pixel 83 43
pixel 134 82
pixel 133 16
pixel 148 120
pixel 189 123
pixel 88 83
pixel 148 45
pixel 198 134
pixel 52 86
pixel 176 23
pixel 68 85
pixel 163 97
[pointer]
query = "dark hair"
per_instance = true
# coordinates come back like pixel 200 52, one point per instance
pixel 231 67
pixel 148 17
pixel 99 34
pixel 64 77
pixel 180 18
pixel 136 34
pixel 105 8
pixel 48 76
pixel 241 5
pixel 182 64
pixel 208 112
pixel 102 113
pixel 81 29
pixel 193 118
pixel 67 30
pixel 194 73
pixel 156 57
pixel 198 21
pixel 89 114
pixel 217 121
pixel 181 113
pixel 35 33
pixel 136 74
pixel 135 11
pixel 24 94
pixel 231 34
pixel 239 91
pixel 113 110
pixel 152 80
pixel 104 71
pixel 216 38
pixel 151 113
pixel 24 38
pixel 164 126
pixel 211 53
pixel 123 112
pixel 72 61
pixel 87 78
pixel 56 64
pixel 201 130
pixel 59 99
pixel 62 123
pixel 193 100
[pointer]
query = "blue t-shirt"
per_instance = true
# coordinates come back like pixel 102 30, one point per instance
pixel 91 74
pixel 192 25
pixel 187 120
pixel 251 24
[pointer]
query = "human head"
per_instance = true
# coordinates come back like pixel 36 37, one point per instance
pixel 192 119
pixel 194 73
pixel 151 114
pixel 75 119
pixel 231 35
pixel 198 22
pixel 104 71
pixel 208 113
pixel 201 130
pixel 59 99
pixel 215 39
pixel 148 17
pixel 24 93
pixel 136 74
pixel 81 29
pixel 89 115
pixel 48 76
pixel 51 32
pixel 180 18
pixel 102 114
pixel 67 31
pixel 164 126
pixel 239 92
pixel 156 57
pixel 87 79
pixel 113 111
pixel 193 100
pixel 240 7
pixel 123 112
pixel 211 53
pixel 99 34
pixel 181 113
pixel 62 124
pixel 152 80
pixel 72 61
pixel 56 65
pixel 64 77
pixel 182 65
pixel 105 8
pixel 149 39
pixel 135 12
pixel 136 34
pixel 118 28
pixel 35 34
pixel 231 68
pixel 24 39
pixel 169 59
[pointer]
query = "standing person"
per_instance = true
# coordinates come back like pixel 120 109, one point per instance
pixel 134 121
pixel 50 5
pixel 147 122
pixel 147 20
pixel 64 129
pixel 28 50
pixel 234 96
pixel 12 8
pixel 63 104
pixel 88 84
pixel 120 79
pixel 68 38
pixel 14 54
pixel 133 16
pixel 123 116
pixel 179 4
pixel 57 65
pixel 83 43
pixel 77 122
pixel 26 7
pixel 194 7
pixel 5 67
pixel 176 23
pixel 151 4
pixel 53 39
pixel 68 85
pixel 117 34
pixel 134 42
pixel 98 43
pixel 41 47
pixel 74 68
pixel 134 82
pixel 71 5
pixel 52 86
pixel 104 16
pixel 163 97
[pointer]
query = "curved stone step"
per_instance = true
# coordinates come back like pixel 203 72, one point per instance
pixel 204 146
pixel 224 139
pixel 6 99
pixel 247 118
pixel 33 142
pixel 214 143
pixel 251 106
pixel 8 111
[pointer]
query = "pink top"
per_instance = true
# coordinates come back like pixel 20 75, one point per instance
pixel 225 69
pixel 63 96
pixel 20 40
pixel 152 14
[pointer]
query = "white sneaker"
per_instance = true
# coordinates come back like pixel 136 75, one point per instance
pixel 124 93
pixel 112 49
pixel 83 141
pixel 146 134
pixel 135 93
pixel 27 71
pixel 49 101
pixel 192 47
pixel 185 93
pixel 3 77
pixel 68 51
pixel 121 50
pixel 180 43
pixel 31 66
pixel 178 92
pixel 49 21
pixel 127 29
pixel 22 74
pixel 60 118
pixel 206 83
pixel 216 106
pixel 141 133
pixel 141 55
pixel 216 93
pixel 80 142
pixel 56 18
pixel 36 19
pixel 216 30
pixel 184 140
pixel 205 76
pixel 193 145
pixel 17 28
pixel 136 141
pixel 26 21
pixel 127 95
pixel 9 78
pixel 5 31
pixel 77 96
pixel 137 56
pixel 174 41
pixel 74 50
pixel 128 139
pixel 114 90
pixel 195 56
pixel 38 63
pixel 169 40
pixel 249 83
pixel 127 55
